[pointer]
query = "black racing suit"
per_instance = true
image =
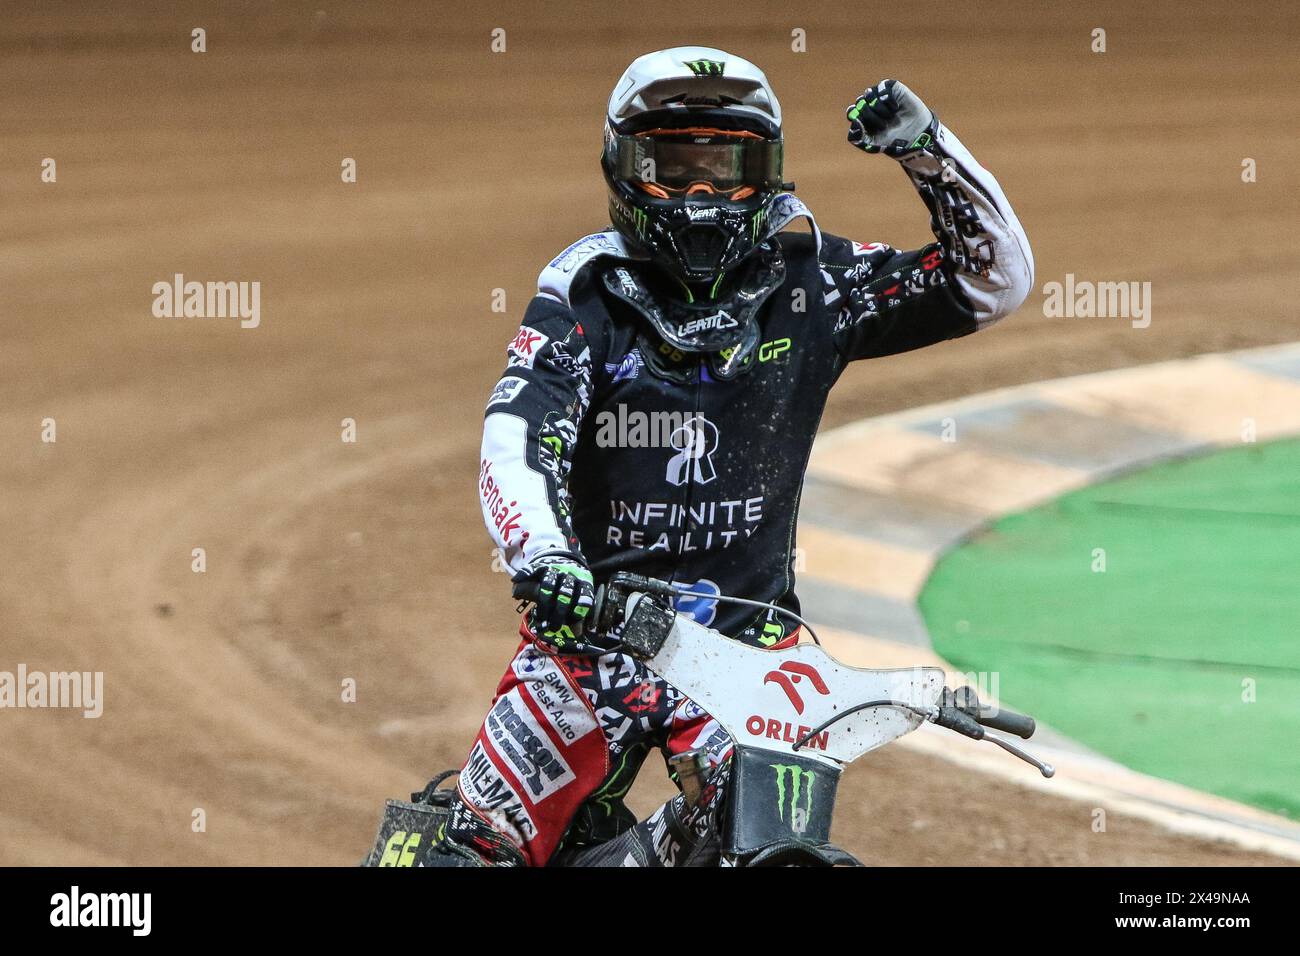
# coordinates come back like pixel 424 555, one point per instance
pixel 649 463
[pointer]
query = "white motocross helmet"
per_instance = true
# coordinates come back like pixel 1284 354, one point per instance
pixel 693 159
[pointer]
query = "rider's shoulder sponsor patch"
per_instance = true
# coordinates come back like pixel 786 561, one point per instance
pixel 868 248
pixel 523 349
pixel 507 391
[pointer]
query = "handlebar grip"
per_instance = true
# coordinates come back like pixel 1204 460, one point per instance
pixel 531 590
pixel 1008 721
pixel 956 719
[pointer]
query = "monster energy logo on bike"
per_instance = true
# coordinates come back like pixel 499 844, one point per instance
pixel 705 67
pixel 801 788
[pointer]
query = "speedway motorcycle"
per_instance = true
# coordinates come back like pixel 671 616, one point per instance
pixel 784 773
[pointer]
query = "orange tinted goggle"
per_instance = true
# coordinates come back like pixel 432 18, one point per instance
pixel 698 160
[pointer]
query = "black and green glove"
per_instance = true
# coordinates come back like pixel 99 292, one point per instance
pixel 564 593
pixel 890 118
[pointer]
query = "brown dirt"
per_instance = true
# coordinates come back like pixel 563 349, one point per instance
pixel 328 560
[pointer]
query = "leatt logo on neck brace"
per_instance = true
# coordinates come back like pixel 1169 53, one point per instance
pixel 720 321
pixel 726 323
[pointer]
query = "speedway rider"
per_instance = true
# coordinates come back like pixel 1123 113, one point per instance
pixel 697 304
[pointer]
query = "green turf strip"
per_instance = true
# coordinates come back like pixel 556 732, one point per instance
pixel 1148 662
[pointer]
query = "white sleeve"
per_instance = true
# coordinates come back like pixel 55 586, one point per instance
pixel 990 258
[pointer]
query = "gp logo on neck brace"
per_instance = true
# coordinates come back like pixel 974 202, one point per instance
pixel 696 439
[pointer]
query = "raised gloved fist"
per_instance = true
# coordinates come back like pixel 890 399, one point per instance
pixel 564 595
pixel 891 118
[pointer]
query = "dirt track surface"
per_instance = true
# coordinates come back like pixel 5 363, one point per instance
pixel 328 560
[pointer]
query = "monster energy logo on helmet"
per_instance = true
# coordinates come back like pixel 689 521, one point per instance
pixel 801 788
pixel 705 67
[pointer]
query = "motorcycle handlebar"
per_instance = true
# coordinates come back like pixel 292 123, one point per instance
pixel 960 710
pixel 954 718
pixel 1021 725
pixel 965 700
pixel 965 713
pixel 530 590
